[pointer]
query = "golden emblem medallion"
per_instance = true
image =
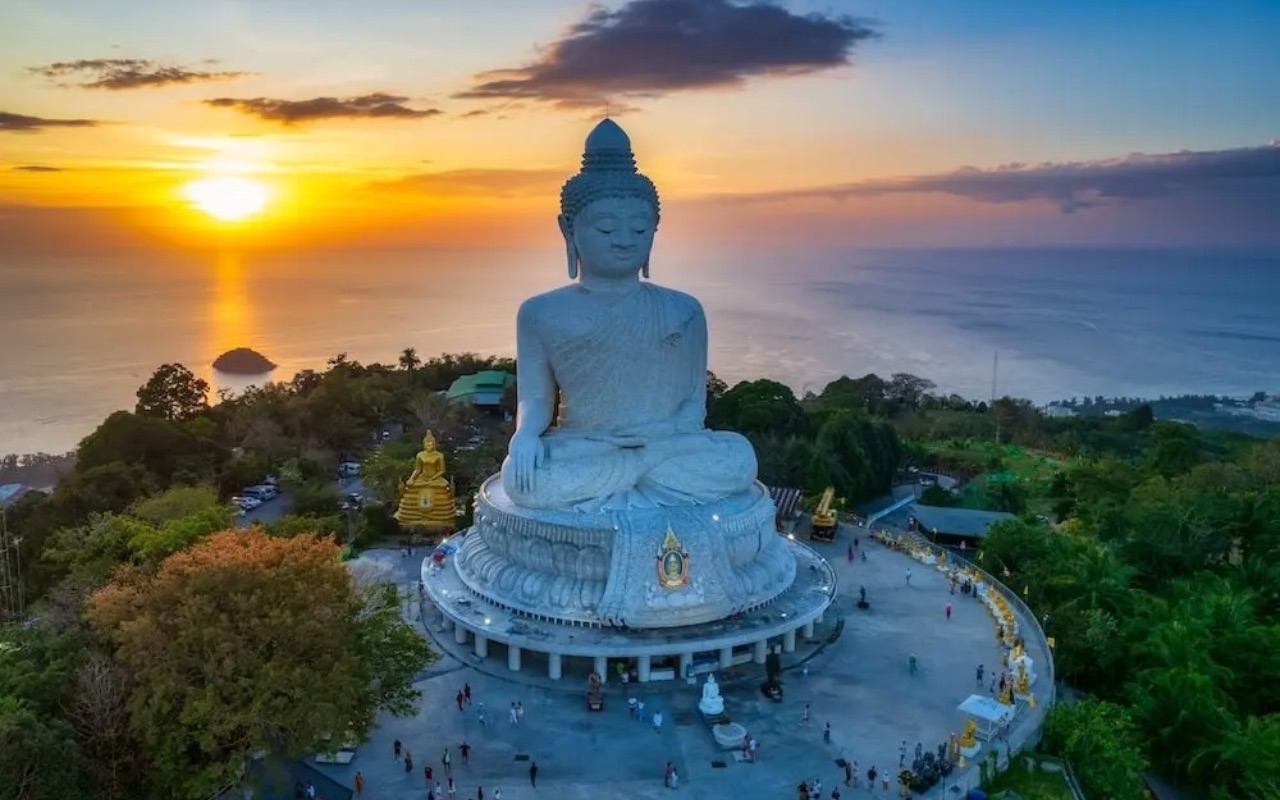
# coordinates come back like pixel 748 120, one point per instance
pixel 672 563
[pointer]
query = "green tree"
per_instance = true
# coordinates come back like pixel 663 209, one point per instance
pixel 762 406
pixel 180 501
pixel 173 393
pixel 237 638
pixel 1101 741
pixel 409 360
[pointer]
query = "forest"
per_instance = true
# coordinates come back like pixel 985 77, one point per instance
pixel 1148 547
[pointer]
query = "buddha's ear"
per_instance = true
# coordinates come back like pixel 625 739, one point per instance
pixel 570 249
pixel 645 269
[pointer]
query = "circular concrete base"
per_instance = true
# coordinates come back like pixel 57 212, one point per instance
pixel 689 649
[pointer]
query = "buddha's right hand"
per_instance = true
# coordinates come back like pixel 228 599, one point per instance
pixel 527 453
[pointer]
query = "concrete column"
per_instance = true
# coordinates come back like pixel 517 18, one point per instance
pixel 726 657
pixel 602 668
pixel 482 646
pixel 822 617
pixel 788 641
pixel 686 661
pixel 554 666
pixel 459 634
pixel 513 658
pixel 807 630
pixel 446 624
pixel 642 669
pixel 761 651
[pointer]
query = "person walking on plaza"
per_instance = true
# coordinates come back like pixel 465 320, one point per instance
pixel 533 774
pixel 666 775
pixel 981 669
pixel 520 712
pixel 359 784
pixel 657 720
pixel 804 720
pixel 446 761
pixel 461 699
pixel 452 789
pixel 427 773
pixel 466 692
pixel 912 664
pixel 871 778
pixel 826 734
pixel 396 747
pixel 515 718
pixel 465 749
pixel 948 612
pixel 408 761
pixel 848 773
pixel 908 576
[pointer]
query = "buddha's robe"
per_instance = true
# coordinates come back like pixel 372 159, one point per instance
pixel 631 371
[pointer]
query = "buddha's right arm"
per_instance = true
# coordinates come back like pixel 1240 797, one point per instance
pixel 535 383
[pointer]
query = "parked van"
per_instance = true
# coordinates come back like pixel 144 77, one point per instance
pixel 263 492
pixel 349 469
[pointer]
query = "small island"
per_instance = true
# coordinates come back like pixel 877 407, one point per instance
pixel 243 361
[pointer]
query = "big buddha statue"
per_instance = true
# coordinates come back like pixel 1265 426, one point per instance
pixel 623 509
pixel 626 357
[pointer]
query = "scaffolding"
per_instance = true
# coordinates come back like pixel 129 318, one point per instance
pixel 11 594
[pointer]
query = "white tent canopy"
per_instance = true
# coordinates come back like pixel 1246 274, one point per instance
pixel 989 715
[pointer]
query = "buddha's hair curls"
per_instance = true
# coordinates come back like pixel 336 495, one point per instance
pixel 608 172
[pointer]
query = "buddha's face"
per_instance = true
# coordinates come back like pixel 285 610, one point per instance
pixel 614 236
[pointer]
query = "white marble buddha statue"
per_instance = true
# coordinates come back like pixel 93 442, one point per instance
pixel 627 359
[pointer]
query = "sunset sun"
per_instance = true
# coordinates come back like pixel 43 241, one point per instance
pixel 228 198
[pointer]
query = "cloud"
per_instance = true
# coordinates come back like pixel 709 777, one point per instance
pixel 1079 185
pixel 485 182
pixel 127 73
pixel 290 112
pixel 649 48
pixel 37 168
pixel 25 124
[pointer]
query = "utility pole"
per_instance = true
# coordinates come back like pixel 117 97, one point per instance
pixel 995 370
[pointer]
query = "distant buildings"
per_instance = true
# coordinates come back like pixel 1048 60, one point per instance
pixel 1057 411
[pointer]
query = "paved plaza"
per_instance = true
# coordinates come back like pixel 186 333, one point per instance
pixel 859 682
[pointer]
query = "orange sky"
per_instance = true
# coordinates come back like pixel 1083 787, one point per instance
pixel 109 112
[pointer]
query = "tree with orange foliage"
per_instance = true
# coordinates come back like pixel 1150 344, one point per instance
pixel 247 643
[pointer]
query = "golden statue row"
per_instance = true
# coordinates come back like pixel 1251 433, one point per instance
pixel 426 498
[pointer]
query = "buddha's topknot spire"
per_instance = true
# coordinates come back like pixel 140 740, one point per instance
pixel 608 171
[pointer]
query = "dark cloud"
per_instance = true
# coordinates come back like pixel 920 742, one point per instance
pixel 289 112
pixel 649 48
pixel 127 73
pixel 1079 185
pixel 37 168
pixel 485 182
pixel 25 124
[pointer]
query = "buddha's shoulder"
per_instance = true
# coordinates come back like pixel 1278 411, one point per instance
pixel 548 302
pixel 681 301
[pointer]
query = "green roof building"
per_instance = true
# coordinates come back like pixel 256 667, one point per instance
pixel 483 389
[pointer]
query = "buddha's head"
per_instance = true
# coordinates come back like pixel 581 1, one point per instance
pixel 608 211
pixel 429 442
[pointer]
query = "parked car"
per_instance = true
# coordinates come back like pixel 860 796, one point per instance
pixel 262 492
pixel 349 469
pixel 246 503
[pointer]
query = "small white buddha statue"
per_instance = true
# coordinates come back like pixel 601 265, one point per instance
pixel 627 359
pixel 711 704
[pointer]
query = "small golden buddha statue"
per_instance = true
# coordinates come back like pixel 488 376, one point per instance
pixel 970 736
pixel 426 498
pixel 1023 686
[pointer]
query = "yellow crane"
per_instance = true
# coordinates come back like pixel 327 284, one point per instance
pixel 824 517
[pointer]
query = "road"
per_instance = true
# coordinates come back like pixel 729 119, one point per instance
pixel 272 510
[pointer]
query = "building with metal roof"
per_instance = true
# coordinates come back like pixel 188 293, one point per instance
pixel 483 389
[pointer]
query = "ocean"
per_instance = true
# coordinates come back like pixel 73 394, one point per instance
pixel 79 335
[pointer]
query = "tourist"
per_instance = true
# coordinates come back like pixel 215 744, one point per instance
pixel 851 773
pixel 311 789
pixel 835 793
pixel 427 773
pixel 826 734
pixel 754 748
pixel 948 612
pixel 912 664
pixel 675 778
pixel 431 794
pixel 408 761
pixel 520 712
pixel 666 775
pixel 497 794
pixel 515 718
pixel 804 720
pixel 657 720
pixel 465 749
pixel 359 784
pixel 533 774
pixel 466 692
pixel 902 754
pixel 452 790
pixel 631 707
pixel 871 778
pixel 396 748
pixel 981 669
pixel 480 714
pixel 850 553
pixel 438 792
pixel 908 576
pixel 640 709
pixel 446 760
pixel 479 793
pixel 815 787
pixel 461 699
